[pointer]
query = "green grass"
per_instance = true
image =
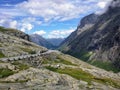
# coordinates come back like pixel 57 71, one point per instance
pixel 0 45
pixel 83 55
pixel 75 73
pixel 4 72
pixel 108 81
pixel 28 50
pixel 1 55
pixel 20 66
pixel 2 29
pixel 104 65
pixel 62 60
pixel 57 60
pixel 79 74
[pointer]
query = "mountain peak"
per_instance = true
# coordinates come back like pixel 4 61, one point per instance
pixel 89 19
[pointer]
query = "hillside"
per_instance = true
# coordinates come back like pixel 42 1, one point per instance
pixel 97 42
pixel 56 72
pixel 14 43
pixel 14 32
pixel 37 68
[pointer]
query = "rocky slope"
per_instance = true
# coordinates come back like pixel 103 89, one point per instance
pixel 57 72
pixel 15 46
pixel 41 41
pixel 100 41
pixel 51 70
pixel 14 32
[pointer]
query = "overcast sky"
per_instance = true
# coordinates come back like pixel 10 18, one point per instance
pixel 49 18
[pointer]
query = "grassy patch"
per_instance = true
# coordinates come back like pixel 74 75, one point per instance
pixel 1 55
pixel 4 72
pixel 21 81
pixel 58 59
pixel 79 74
pixel 83 55
pixel 104 65
pixel 28 50
pixel 108 81
pixel 20 66
pixel 0 45
pixel 2 29
pixel 62 60
pixel 75 73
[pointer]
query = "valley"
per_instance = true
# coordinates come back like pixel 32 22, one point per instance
pixel 88 59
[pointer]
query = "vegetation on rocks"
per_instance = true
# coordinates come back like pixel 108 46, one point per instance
pixel 75 73
pixel 5 72
pixel 105 65
pixel 28 50
pixel 1 55
pixel 82 75
pixel 56 59
pixel 20 66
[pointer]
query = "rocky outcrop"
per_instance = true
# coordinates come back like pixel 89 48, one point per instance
pixel 102 39
pixel 14 32
pixel 12 46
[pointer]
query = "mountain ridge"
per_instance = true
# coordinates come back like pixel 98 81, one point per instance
pixel 99 42
pixel 41 41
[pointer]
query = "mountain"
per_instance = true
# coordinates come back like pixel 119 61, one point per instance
pixel 41 41
pixel 97 38
pixel 25 70
pixel 55 41
pixel 27 66
pixel 86 23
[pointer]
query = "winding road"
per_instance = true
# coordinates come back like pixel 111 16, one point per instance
pixel 27 56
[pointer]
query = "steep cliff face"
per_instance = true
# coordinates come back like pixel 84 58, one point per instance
pixel 100 41
pixel 86 23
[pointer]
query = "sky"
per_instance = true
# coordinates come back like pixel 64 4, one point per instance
pixel 48 18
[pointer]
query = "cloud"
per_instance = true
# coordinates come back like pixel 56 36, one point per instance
pixel 8 23
pixel 102 4
pixel 23 26
pixel 55 33
pixel 28 14
pixel 13 24
pixel 60 33
pixel 60 10
pixel 13 12
pixel 40 32
pixel 31 20
pixel 26 26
